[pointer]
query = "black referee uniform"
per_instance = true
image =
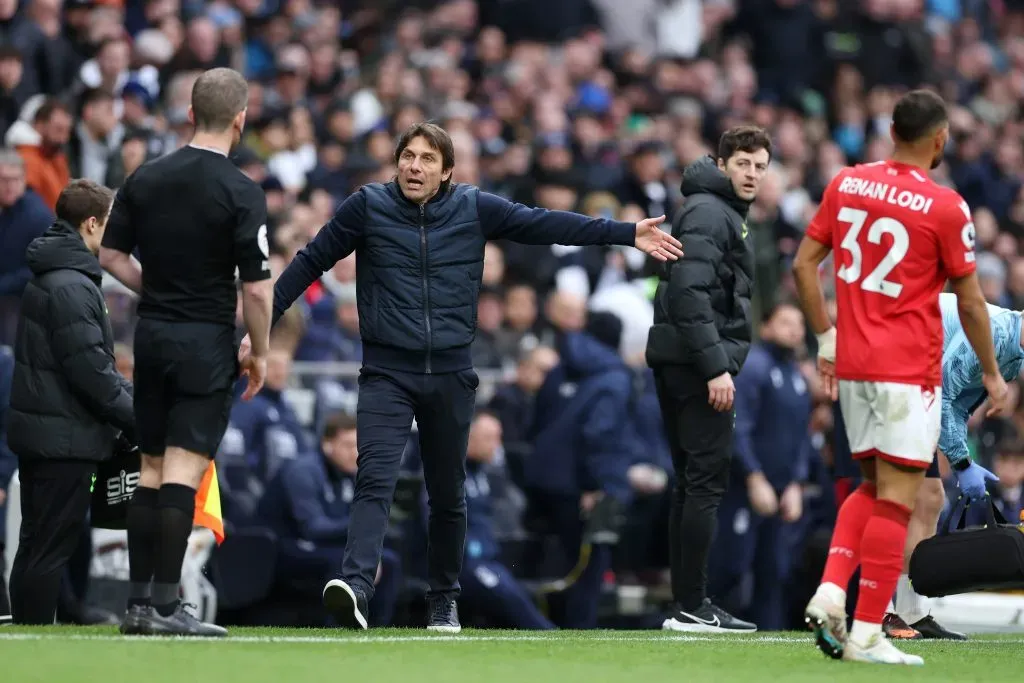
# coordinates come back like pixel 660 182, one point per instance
pixel 194 219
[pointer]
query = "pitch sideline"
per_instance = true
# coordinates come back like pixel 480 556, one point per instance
pixel 504 638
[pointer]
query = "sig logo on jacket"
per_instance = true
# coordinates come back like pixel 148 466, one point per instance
pixel 121 487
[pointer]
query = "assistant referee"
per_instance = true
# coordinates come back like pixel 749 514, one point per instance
pixel 195 219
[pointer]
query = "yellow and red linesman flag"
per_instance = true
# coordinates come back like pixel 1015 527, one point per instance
pixel 208 504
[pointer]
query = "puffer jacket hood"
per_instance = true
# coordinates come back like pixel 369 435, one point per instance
pixel 61 246
pixel 704 176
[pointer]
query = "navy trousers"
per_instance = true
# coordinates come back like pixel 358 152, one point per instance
pixel 489 588
pixel 576 608
pixel 748 545
pixel 443 405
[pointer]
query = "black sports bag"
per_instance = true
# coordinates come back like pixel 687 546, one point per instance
pixel 989 557
pixel 113 487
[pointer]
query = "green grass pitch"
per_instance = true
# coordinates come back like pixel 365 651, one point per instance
pixel 73 655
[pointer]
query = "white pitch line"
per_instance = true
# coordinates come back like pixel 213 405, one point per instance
pixel 358 640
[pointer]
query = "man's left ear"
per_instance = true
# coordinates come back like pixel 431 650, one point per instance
pixel 447 175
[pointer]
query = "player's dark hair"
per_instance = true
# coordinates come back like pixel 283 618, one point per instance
pixel 83 199
pixel 743 139
pixel 336 423
pixel 438 138
pixel 48 108
pixel 917 114
pixel 218 96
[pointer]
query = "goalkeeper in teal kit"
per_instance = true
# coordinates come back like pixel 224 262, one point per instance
pixel 962 391
pixel 962 394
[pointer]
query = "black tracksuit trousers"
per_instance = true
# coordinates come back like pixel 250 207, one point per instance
pixel 55 499
pixel 700 439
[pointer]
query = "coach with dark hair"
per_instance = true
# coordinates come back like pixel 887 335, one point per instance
pixel 699 341
pixel 420 243
pixel 68 402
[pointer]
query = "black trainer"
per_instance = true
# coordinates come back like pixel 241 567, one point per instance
pixel 444 615
pixel 5 619
pixel 346 605
pixel 180 623
pixel 931 629
pixel 135 620
pixel 708 618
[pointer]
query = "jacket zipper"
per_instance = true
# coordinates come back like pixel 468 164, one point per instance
pixel 426 286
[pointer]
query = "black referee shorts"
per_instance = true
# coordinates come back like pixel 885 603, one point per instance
pixel 184 379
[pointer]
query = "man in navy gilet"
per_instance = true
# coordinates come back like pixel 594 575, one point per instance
pixel 419 243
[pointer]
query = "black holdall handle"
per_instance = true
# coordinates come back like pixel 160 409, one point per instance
pixel 993 517
pixel 955 520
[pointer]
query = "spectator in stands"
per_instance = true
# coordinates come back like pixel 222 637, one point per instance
pixel 307 506
pixel 645 529
pixel 96 138
pixel 23 217
pixel 332 332
pixel 518 334
pixel 514 405
pixel 46 164
pixel 769 465
pixel 488 587
pixel 1008 492
pixel 12 86
pixel 579 453
pixel 270 428
pixel 490 314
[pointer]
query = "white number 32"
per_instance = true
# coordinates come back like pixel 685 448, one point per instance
pixel 875 281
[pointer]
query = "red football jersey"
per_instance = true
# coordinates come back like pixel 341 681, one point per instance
pixel 896 237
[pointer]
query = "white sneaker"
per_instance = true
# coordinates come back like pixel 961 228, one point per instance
pixel 878 650
pixel 828 621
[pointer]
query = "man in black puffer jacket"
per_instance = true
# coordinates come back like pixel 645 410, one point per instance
pixel 68 402
pixel 700 338
pixel 419 243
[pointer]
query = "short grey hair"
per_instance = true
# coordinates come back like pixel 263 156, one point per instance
pixel 9 157
pixel 218 96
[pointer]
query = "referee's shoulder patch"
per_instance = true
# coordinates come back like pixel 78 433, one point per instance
pixel 262 241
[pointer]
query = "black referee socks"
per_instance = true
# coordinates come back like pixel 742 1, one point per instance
pixel 141 525
pixel 176 512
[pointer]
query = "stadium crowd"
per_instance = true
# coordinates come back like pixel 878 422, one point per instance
pixel 587 105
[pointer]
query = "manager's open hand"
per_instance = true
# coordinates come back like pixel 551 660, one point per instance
pixel 654 241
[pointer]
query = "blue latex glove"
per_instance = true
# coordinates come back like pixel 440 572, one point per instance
pixel 972 481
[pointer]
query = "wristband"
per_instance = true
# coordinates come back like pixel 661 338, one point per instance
pixel 961 465
pixel 827 345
